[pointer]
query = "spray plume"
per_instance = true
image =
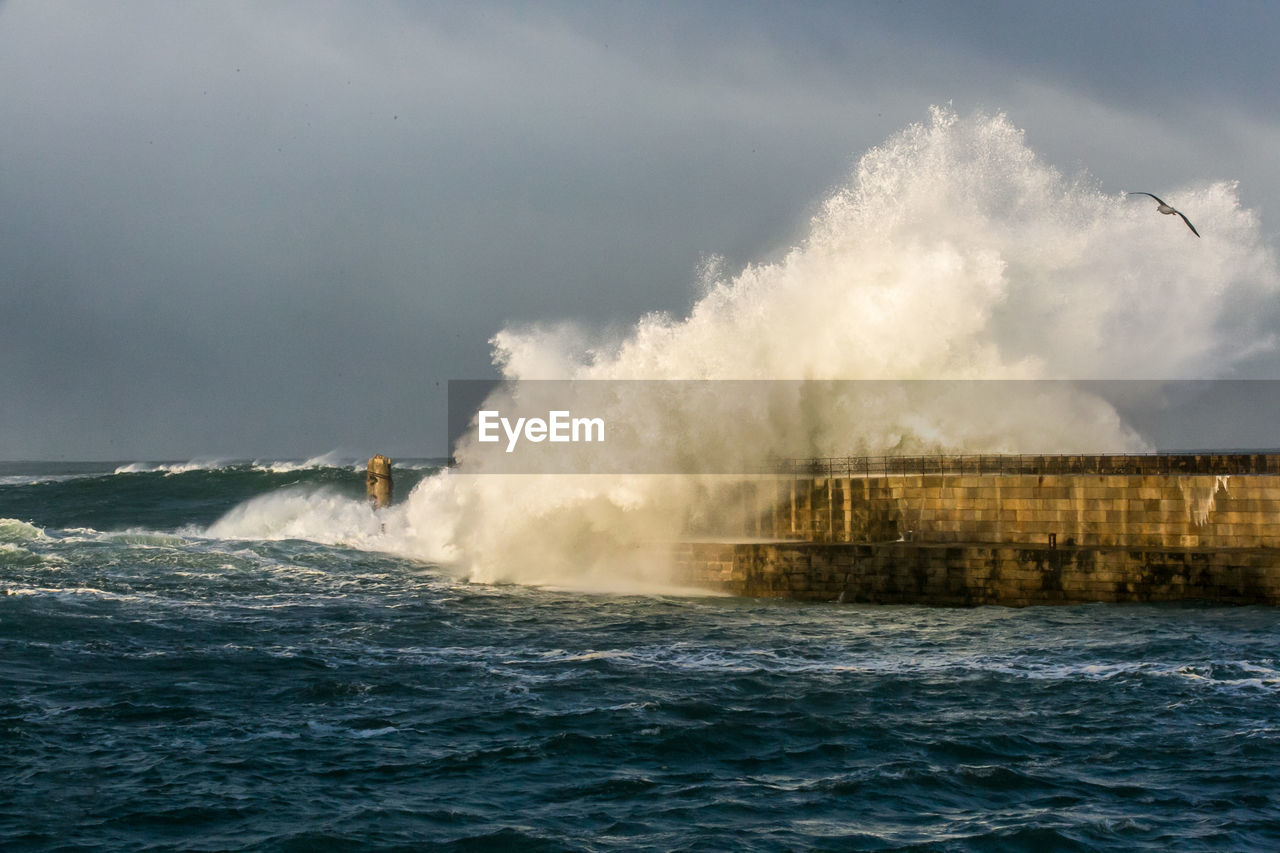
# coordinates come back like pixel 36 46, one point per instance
pixel 952 253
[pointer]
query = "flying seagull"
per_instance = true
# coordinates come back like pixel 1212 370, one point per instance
pixel 1165 208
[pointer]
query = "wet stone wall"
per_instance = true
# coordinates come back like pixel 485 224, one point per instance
pixel 1048 532
pixel 976 574
pixel 1163 511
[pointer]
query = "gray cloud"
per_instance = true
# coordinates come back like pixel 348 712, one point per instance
pixel 254 229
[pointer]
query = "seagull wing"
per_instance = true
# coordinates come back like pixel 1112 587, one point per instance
pixel 1188 221
pixel 1156 197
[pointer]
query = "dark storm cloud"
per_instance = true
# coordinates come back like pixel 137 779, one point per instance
pixel 253 229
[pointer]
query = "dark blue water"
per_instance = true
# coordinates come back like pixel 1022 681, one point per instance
pixel 161 690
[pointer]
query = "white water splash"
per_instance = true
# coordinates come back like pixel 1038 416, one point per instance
pixel 16 530
pixel 954 252
pixel 170 468
pixel 317 515
pixel 1200 493
pixel 332 459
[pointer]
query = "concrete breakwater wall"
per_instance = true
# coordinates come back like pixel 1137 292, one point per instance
pixel 1053 529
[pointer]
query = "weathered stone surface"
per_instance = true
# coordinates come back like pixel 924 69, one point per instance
pixel 1135 528
pixel 1149 510
pixel 973 574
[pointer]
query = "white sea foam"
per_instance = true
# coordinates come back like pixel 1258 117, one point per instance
pixel 320 516
pixel 37 479
pixel 418 464
pixel 174 467
pixel 952 253
pixel 336 459
pixel 14 530
pixel 75 592
pixel 332 459
pixel 146 538
pixel 136 468
pixel 16 555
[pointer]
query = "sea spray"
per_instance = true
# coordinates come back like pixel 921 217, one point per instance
pixel 953 253
pixel 319 515
pixel 1199 495
pixel 15 530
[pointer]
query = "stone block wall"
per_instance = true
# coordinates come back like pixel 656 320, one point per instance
pixel 975 574
pixel 1004 530
pixel 1111 510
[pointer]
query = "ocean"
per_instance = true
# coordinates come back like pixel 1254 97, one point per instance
pixel 169 681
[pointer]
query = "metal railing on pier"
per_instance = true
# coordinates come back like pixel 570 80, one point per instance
pixel 959 465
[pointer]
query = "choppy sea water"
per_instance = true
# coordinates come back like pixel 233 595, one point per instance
pixel 161 688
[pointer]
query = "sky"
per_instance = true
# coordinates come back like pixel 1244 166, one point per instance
pixel 277 229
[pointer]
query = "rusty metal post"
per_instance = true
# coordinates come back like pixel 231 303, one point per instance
pixel 377 483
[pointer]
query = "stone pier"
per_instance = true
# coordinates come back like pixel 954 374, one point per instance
pixel 1006 531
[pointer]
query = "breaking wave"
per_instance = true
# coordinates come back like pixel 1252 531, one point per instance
pixel 953 252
